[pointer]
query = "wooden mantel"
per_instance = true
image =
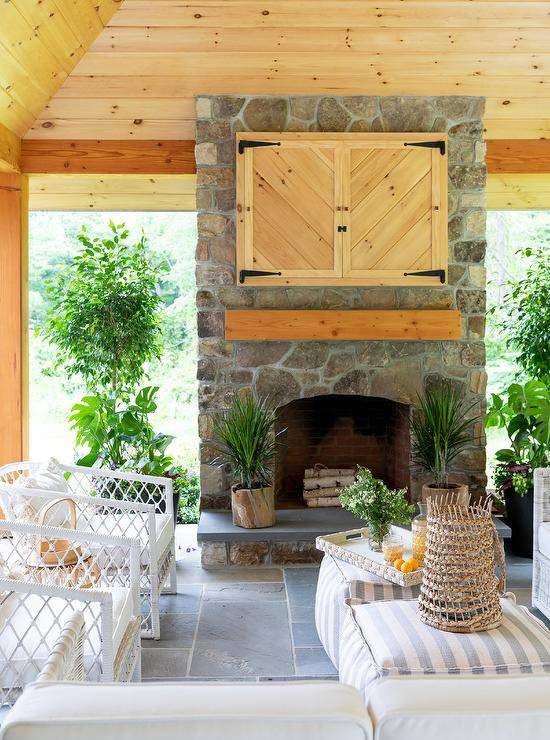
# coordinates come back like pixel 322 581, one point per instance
pixel 312 325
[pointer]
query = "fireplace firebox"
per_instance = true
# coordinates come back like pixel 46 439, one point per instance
pixel 341 431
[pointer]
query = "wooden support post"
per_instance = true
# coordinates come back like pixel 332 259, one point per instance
pixel 11 380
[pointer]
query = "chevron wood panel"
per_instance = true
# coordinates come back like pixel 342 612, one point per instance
pixel 395 209
pixel 290 201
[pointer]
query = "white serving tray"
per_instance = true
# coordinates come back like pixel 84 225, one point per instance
pixel 353 547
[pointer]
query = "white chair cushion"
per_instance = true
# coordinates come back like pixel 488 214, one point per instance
pixel 198 711
pixel 37 623
pixel 387 638
pixel 544 539
pixel 449 708
pixel 49 477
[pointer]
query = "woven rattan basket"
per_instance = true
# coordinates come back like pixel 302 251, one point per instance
pixel 460 589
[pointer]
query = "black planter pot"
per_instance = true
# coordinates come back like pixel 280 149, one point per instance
pixel 519 514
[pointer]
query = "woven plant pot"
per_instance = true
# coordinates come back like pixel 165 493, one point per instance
pixel 460 589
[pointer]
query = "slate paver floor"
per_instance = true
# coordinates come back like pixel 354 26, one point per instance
pixel 243 624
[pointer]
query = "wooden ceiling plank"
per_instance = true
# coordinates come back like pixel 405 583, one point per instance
pixel 52 30
pixel 166 109
pixel 517 108
pixel 10 150
pixel 83 18
pixel 121 202
pixel 518 192
pixel 112 184
pixel 296 13
pixel 518 156
pixel 14 79
pixel 525 128
pixel 327 40
pixel 131 86
pixel 139 129
pixel 108 157
pixel 13 114
pixel 283 64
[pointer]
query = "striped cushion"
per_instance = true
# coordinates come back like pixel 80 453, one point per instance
pixel 388 639
pixel 339 581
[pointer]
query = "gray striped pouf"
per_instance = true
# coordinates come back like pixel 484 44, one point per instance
pixel 388 639
pixel 339 581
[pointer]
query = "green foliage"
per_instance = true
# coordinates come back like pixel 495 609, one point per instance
pixel 440 431
pixel 121 437
pixel 186 482
pixel 104 315
pixel 524 318
pixel 245 440
pixel 524 412
pixel 370 499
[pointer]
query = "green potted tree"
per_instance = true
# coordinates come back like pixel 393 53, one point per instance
pixel 524 411
pixel 245 441
pixel 370 499
pixel 441 430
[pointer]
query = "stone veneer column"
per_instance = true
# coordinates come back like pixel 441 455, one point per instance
pixel 289 370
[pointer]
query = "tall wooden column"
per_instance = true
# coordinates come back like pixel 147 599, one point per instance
pixel 13 214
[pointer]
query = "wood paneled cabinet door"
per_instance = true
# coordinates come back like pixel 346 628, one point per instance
pixel 341 209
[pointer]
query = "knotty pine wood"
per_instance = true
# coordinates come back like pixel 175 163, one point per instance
pixel 108 157
pixel 518 191
pixel 510 156
pixel 10 311
pixel 317 325
pixel 40 43
pixel 10 151
pixel 112 192
pixel 348 232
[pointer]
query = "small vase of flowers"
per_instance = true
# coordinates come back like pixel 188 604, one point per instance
pixel 370 499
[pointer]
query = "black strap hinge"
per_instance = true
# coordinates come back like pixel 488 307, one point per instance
pixel 427 273
pixel 248 144
pixel 429 144
pixel 243 274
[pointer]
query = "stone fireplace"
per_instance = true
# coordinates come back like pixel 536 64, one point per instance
pixel 349 395
pixel 341 432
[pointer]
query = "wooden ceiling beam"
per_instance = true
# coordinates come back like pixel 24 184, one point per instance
pixel 64 156
pixel 518 156
pixel 10 150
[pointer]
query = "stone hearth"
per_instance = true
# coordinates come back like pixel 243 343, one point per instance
pixel 290 371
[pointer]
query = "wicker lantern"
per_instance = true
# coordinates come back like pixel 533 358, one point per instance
pixel 460 589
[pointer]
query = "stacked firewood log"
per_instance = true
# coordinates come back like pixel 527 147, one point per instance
pixel 322 486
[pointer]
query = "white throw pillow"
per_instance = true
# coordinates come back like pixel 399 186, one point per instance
pixel 49 477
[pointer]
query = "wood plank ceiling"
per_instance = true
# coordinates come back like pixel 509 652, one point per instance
pixel 40 43
pixel 139 77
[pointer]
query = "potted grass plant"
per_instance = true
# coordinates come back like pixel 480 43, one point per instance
pixel 441 430
pixel 246 441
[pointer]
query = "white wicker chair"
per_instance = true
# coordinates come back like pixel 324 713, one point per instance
pixel 122 504
pixel 48 573
pixel 66 659
pixel 541 541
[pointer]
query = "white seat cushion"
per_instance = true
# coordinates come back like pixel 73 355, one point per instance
pixel 35 622
pixel 388 639
pixel 205 711
pixel 461 708
pixel 544 539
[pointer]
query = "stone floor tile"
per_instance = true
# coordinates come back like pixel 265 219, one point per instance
pixel 304 634
pixel 195 574
pixel 186 601
pixel 302 575
pixel 176 631
pixel 301 594
pixel 313 661
pixel 248 592
pixel 265 679
pixel 242 639
pixel 164 663
pixel 302 614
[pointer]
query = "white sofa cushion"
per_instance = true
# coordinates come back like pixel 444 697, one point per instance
pixel 388 639
pixel 197 711
pixel 426 708
pixel 544 539
pixel 339 581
